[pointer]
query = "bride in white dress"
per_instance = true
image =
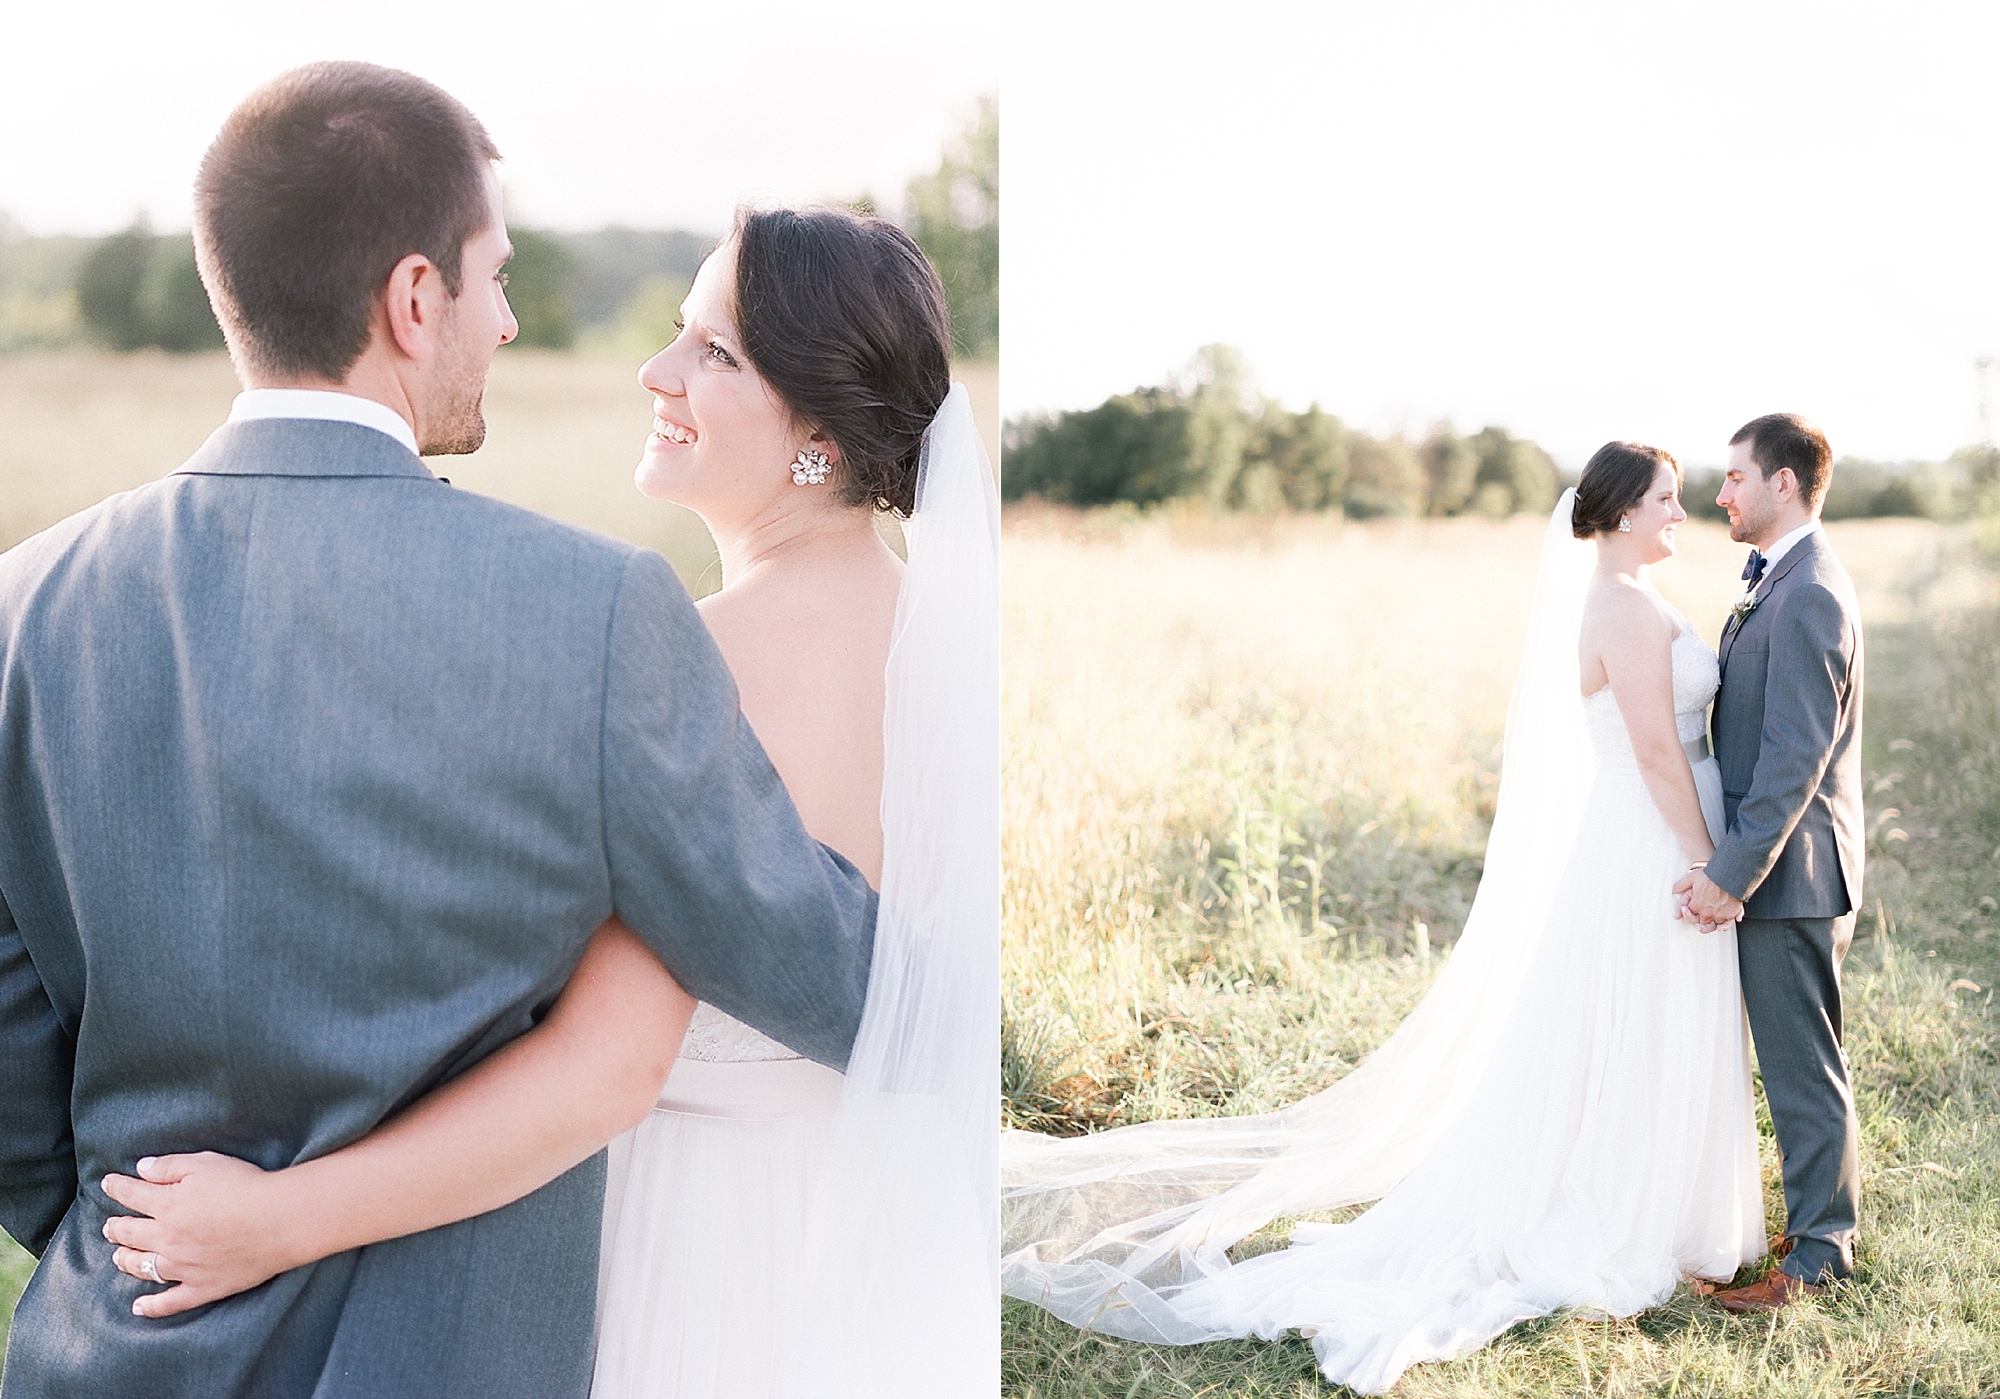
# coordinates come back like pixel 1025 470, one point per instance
pixel 759 1223
pixel 1564 1121
pixel 771 1225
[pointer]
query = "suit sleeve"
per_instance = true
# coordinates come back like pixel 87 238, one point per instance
pixel 1806 681
pixel 709 862
pixel 37 1150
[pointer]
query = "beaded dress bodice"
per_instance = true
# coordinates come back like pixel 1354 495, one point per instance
pixel 716 1038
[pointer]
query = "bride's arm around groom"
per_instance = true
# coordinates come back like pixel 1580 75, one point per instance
pixel 316 775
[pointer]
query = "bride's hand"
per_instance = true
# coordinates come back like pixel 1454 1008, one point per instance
pixel 209 1224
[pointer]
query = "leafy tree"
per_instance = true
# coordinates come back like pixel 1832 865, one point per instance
pixel 1133 447
pixel 614 266
pixel 38 288
pixel 1451 470
pixel 1384 477
pixel 954 215
pixel 542 284
pixel 1306 454
pixel 136 290
pixel 1513 475
pixel 1220 397
pixel 1925 490
pixel 108 288
pixel 644 324
pixel 173 304
pixel 1980 466
pixel 1698 492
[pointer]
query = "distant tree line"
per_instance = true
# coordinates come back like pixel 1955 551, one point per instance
pixel 1208 436
pixel 616 290
pixel 1211 437
pixel 137 290
pixel 1964 484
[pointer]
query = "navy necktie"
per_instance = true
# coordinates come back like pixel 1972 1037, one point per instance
pixel 1754 569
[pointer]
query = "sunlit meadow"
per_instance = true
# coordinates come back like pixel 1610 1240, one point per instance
pixel 1249 769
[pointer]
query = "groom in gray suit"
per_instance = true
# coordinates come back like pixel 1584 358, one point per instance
pixel 316 774
pixel 1787 728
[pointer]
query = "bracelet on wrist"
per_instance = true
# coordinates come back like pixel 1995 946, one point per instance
pixel 1697 865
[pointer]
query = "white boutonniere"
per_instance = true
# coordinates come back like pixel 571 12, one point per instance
pixel 1745 605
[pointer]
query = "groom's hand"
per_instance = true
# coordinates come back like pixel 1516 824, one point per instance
pixel 1707 902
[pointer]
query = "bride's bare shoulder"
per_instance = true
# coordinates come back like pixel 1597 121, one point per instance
pixel 816 604
pixel 808 646
pixel 1620 603
pixel 1621 618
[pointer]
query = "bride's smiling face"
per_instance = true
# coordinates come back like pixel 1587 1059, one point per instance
pixel 1658 515
pixel 723 442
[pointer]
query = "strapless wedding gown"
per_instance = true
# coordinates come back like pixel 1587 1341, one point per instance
pixel 1605 1149
pixel 774 1227
pixel 705 1209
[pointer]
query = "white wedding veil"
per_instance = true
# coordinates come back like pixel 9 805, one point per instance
pixel 902 1247
pixel 1108 1230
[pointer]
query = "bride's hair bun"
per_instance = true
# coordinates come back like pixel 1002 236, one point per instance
pixel 1615 479
pixel 844 317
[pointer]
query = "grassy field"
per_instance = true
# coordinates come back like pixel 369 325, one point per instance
pixel 1249 766
pixel 563 434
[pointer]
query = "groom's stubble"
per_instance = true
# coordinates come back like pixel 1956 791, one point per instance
pixel 1752 506
pixel 457 420
pixel 1751 529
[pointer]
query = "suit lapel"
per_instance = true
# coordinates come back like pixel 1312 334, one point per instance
pixel 1800 551
pixel 1734 626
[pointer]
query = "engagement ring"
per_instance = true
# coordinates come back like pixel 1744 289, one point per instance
pixel 151 1268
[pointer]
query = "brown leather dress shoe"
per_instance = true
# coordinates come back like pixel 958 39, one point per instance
pixel 1776 1289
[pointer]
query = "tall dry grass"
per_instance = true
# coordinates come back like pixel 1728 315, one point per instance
pixel 1250 765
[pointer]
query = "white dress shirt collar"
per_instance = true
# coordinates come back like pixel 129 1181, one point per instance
pixel 1784 546
pixel 327 405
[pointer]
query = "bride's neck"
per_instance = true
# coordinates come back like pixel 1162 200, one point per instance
pixel 1624 556
pixel 788 538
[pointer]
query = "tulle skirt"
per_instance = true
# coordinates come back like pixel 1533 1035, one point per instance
pixel 705 1211
pixel 1607 1147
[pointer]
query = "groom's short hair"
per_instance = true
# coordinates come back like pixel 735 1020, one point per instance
pixel 1780 440
pixel 318 184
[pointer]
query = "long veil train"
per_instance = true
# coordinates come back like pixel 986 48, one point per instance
pixel 1111 1231
pixel 902 1290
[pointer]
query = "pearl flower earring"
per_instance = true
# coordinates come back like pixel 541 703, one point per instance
pixel 811 468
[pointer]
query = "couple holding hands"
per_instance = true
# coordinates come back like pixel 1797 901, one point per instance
pixel 1566 1119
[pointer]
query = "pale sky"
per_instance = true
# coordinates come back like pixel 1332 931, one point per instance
pixel 1578 221
pixel 655 115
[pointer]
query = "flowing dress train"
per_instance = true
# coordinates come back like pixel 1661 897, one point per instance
pixel 1565 1121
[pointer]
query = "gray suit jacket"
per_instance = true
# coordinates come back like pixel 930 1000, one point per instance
pixel 1787 729
pixel 315 776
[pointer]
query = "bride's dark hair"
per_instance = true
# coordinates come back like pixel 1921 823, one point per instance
pixel 1615 479
pixel 845 318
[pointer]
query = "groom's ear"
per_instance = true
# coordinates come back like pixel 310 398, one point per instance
pixel 414 302
pixel 1785 484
